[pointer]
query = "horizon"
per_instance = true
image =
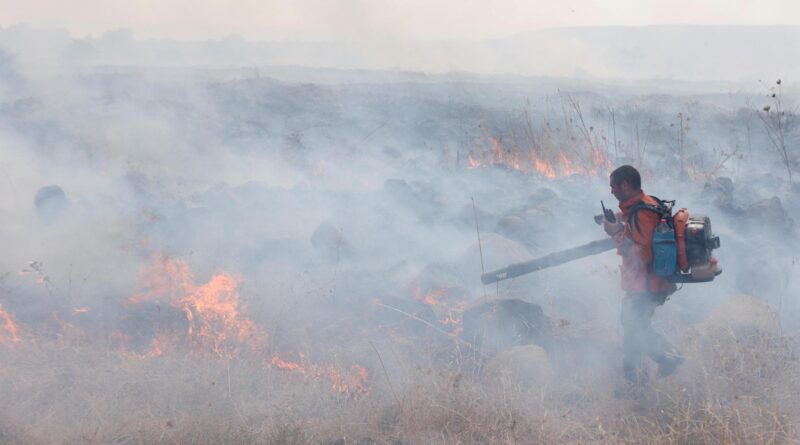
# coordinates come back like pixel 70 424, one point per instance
pixel 371 20
pixel 235 36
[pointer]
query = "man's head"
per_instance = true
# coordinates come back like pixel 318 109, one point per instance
pixel 625 182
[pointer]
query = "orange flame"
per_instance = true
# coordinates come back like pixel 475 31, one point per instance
pixel 431 298
pixel 213 314
pixel 212 309
pixel 353 383
pixel 217 324
pixel 286 365
pixel 8 328
pixel 158 346
pixel 453 310
pixel 534 162
pixel 544 168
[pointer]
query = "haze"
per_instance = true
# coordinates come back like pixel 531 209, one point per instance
pixel 366 20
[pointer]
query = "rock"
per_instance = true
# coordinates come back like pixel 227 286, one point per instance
pixel 540 220
pixel 418 196
pixel 466 217
pixel 503 324
pixel 498 251
pixel 512 226
pixel 720 193
pixel 529 226
pixel 51 203
pixel 525 365
pixel 762 274
pixel 769 213
pixel 739 344
pixel 330 240
pixel 542 196
pixel 743 315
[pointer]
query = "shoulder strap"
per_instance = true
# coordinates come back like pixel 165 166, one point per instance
pixel 663 209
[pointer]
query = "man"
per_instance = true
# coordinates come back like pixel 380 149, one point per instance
pixel 633 233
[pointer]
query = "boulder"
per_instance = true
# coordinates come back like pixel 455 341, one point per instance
pixel 529 226
pixel 769 213
pixel 497 250
pixel 719 192
pixel 418 196
pixel 466 217
pixel 330 241
pixel 743 315
pixel 542 196
pixel 503 324
pixel 738 345
pixel 51 203
pixel 512 226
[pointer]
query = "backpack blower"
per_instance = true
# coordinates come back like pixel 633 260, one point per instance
pixel 682 247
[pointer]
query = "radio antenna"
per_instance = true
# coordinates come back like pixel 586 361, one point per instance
pixel 480 247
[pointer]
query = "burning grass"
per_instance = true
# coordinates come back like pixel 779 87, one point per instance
pixel 736 388
pixel 89 395
pixel 550 164
pixel 217 376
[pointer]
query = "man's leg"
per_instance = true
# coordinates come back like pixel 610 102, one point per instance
pixel 656 346
pixel 635 325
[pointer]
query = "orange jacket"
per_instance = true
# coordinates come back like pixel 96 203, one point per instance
pixel 636 248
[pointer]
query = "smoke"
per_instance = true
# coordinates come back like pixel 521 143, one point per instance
pixel 347 206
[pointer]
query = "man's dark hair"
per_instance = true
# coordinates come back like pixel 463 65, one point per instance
pixel 628 174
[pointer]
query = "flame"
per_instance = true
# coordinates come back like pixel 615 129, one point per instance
pixel 9 331
pixel 287 365
pixel 214 316
pixel 158 346
pixel 216 323
pixel 353 383
pixel 453 310
pixel 431 298
pixel 80 310
pixel 544 168
pixel 593 163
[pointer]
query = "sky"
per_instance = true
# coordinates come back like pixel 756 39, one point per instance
pixel 368 20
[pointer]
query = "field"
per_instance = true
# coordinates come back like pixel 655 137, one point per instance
pixel 290 256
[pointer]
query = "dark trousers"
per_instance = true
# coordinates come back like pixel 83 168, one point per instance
pixel 639 339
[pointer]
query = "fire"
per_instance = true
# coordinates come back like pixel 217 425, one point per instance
pixel 9 331
pixel 217 325
pixel 452 310
pixel 544 168
pixel 431 298
pixel 216 322
pixel 80 310
pixel 286 365
pixel 353 383
pixel 214 316
pixel 158 346
pixel 533 160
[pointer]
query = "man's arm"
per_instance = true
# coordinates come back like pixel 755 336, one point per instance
pixel 616 231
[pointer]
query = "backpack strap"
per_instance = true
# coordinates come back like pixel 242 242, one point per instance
pixel 663 210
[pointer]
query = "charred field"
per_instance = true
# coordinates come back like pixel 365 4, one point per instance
pixel 291 256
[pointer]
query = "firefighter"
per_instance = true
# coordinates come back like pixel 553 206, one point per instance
pixel 644 291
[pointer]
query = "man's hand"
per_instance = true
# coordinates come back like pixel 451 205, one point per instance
pixel 613 229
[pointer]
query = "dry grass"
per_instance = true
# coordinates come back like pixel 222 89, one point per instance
pixel 735 388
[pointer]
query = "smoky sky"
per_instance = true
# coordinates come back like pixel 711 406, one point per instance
pixel 381 20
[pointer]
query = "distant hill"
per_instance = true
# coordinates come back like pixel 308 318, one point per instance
pixel 677 52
